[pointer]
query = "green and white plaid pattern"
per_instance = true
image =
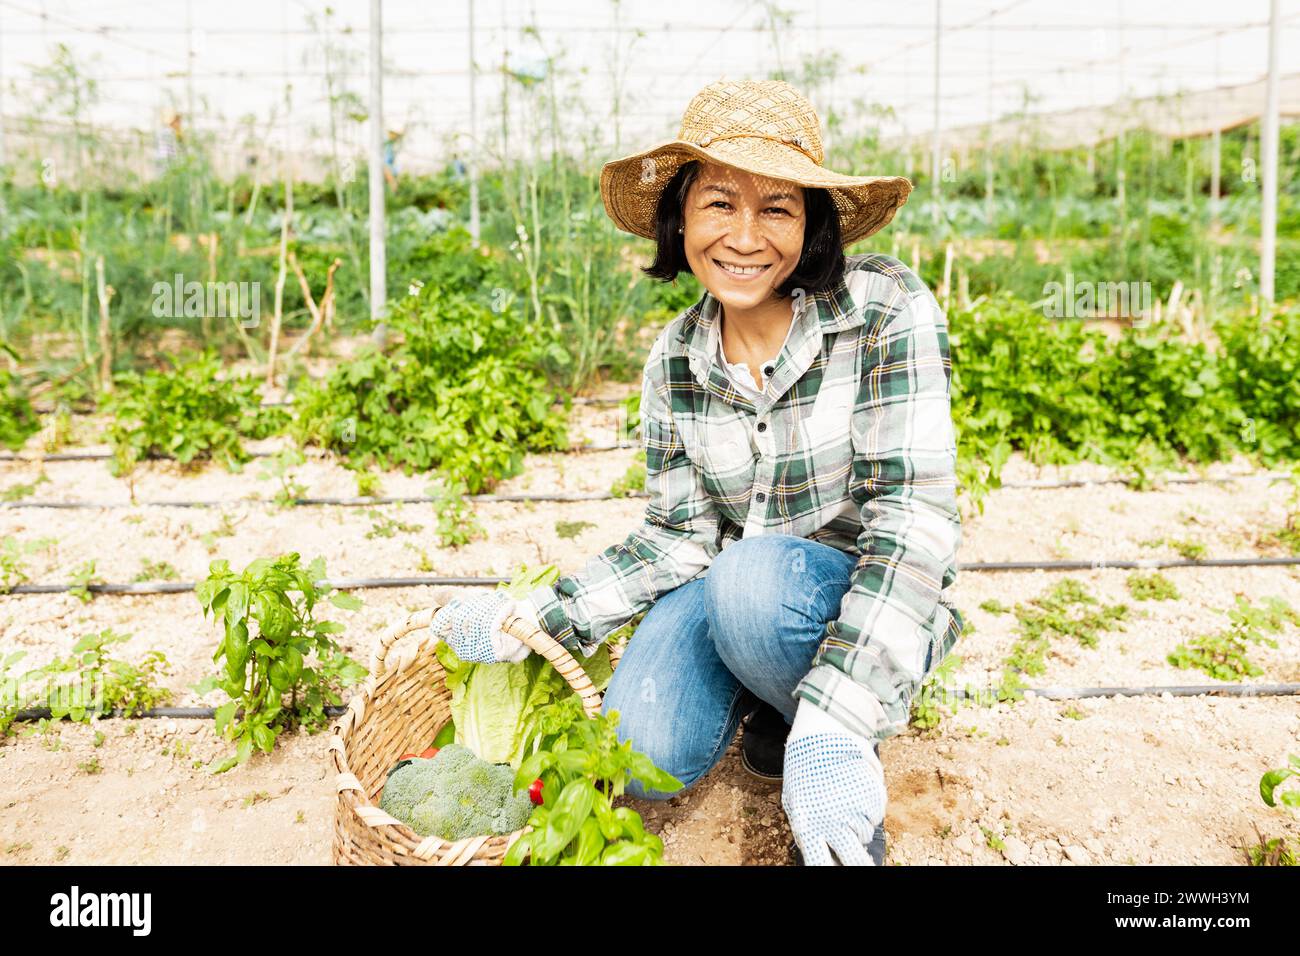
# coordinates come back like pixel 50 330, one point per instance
pixel 851 445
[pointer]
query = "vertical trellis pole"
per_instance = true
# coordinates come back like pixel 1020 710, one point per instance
pixel 1216 148
pixel 473 136
pixel 1268 154
pixel 378 261
pixel 2 93
pixel 988 141
pixel 937 145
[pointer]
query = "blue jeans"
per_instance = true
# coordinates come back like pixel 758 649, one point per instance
pixel 752 623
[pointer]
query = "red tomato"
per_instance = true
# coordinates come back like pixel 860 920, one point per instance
pixel 535 791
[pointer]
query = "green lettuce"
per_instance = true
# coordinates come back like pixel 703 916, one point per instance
pixel 500 711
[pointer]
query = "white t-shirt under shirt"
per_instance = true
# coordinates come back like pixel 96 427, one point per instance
pixel 739 372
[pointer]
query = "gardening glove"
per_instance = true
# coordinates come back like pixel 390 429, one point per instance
pixel 834 790
pixel 470 622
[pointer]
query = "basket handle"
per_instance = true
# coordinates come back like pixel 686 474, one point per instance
pixel 536 639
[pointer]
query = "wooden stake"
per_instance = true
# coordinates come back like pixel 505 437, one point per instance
pixel 105 295
pixel 946 288
pixel 318 313
pixel 279 281
pixel 206 325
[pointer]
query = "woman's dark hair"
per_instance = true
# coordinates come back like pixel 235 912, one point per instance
pixel 820 266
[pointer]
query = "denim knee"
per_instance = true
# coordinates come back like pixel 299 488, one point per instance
pixel 750 572
pixel 769 599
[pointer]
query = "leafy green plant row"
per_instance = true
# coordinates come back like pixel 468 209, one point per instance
pixel 86 684
pixel 1065 610
pixel 461 389
pixel 1061 392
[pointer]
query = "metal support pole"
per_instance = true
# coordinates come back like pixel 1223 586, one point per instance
pixel 988 143
pixel 189 65
pixel 2 94
pixel 1120 175
pixel 1268 159
pixel 934 159
pixel 473 137
pixel 1216 150
pixel 378 259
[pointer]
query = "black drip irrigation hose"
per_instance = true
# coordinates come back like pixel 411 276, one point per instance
pixel 1203 690
pixel 600 402
pixel 1171 480
pixel 558 496
pixel 106 455
pixel 1049 693
pixel 1102 564
pixel 355 502
pixel 157 713
pixel 356 584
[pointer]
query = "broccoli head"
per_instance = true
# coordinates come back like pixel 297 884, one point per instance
pixel 455 795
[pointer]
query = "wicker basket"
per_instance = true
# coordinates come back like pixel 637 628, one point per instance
pixel 399 709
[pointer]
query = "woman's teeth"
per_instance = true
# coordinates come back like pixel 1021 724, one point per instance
pixel 740 270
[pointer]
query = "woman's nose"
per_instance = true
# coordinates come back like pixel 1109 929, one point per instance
pixel 745 235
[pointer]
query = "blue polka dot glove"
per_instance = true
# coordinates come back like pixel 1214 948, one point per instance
pixel 834 789
pixel 471 623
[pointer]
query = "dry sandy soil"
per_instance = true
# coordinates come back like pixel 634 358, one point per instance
pixel 1112 780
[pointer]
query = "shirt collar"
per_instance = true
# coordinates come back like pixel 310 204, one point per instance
pixel 823 313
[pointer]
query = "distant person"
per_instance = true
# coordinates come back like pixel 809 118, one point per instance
pixel 167 142
pixel 392 142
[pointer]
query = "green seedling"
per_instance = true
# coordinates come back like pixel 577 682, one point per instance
pixel 368 484
pixel 13 563
pixel 457 524
pixel 151 570
pixel 23 489
pixel 225 529
pixel 633 479
pixel 82 576
pixel 1222 654
pixel 382 526
pixel 1151 587
pixel 279 467
pixel 927 706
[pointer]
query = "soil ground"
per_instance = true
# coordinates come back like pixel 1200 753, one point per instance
pixel 1112 780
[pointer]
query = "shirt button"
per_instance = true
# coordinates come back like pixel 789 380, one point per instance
pixel 768 370
pixel 760 497
pixel 762 426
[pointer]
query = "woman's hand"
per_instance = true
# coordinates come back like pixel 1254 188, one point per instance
pixel 470 621
pixel 834 790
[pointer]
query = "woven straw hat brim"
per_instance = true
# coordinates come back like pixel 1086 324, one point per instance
pixel 630 187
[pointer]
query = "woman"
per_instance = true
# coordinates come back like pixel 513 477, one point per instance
pixel 799 546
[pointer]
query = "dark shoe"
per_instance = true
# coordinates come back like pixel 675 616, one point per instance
pixel 875 849
pixel 762 744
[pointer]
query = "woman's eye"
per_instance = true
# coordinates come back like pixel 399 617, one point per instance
pixel 719 202
pixel 784 212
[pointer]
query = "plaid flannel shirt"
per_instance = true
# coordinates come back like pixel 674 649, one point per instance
pixel 851 445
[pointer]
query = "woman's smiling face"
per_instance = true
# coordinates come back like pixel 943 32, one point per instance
pixel 744 234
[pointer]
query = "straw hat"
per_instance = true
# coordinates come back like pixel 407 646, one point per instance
pixel 766 127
